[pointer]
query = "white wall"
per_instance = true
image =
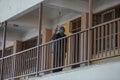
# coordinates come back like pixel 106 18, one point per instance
pixel 104 4
pixel 28 28
pixel 108 71
pixel 65 19
pixel 10 8
pixel 76 5
pixel 31 25
pixel 34 31
pixel 11 37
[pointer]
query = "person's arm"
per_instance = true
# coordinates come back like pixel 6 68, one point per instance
pixel 55 33
pixel 53 38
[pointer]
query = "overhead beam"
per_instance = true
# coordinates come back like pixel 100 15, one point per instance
pixel 78 6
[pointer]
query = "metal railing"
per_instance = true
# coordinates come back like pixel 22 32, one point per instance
pixel 70 51
pixel 106 40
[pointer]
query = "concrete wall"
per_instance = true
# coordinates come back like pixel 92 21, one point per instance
pixel 11 37
pixel 50 25
pixel 104 4
pixel 65 19
pixel 8 8
pixel 76 5
pixel 108 71
pixel 28 28
pixel 30 24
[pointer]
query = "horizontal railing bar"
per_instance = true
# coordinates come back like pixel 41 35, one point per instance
pixel 21 76
pixel 64 37
pixel 48 70
pixel 64 66
pixel 43 44
pixel 105 57
pixel 117 19
pixel 19 52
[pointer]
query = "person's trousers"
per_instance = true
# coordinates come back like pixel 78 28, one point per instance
pixel 57 70
pixel 58 61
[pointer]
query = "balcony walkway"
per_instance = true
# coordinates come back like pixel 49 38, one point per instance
pixel 70 51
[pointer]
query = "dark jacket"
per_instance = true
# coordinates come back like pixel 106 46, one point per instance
pixel 59 49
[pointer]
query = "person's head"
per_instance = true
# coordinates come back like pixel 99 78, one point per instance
pixel 62 30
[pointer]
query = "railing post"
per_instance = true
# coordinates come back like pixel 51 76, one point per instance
pixel 90 31
pixel 39 36
pixel 13 66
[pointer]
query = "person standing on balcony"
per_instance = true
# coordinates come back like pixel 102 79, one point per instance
pixel 59 48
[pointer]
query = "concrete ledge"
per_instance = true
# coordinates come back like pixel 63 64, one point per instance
pixel 108 71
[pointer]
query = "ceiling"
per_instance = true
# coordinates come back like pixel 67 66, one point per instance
pixel 30 20
pixel 53 9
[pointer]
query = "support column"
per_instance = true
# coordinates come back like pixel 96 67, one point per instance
pixel 84 38
pixel 90 31
pixel 4 38
pixel 90 13
pixel 17 46
pixel 46 38
pixel 3 50
pixel 40 23
pixel 84 21
pixel 47 35
pixel 39 61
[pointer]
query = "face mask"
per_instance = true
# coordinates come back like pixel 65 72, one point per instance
pixel 62 31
